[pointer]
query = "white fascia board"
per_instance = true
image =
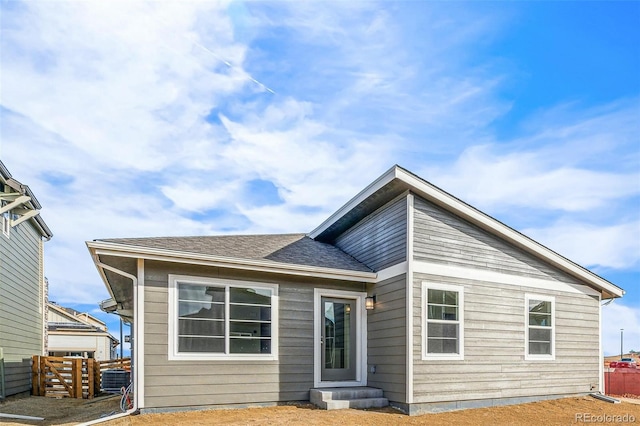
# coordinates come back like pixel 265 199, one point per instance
pixel 122 250
pixel 465 211
pixel 488 223
pixel 387 177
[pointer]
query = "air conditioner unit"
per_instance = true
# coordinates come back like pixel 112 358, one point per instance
pixel 114 380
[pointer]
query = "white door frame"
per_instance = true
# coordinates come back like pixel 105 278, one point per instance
pixel 361 341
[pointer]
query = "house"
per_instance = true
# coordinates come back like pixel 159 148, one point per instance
pixel 73 333
pixel 23 289
pixel 405 289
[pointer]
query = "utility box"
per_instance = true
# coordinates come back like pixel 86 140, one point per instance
pixel 114 380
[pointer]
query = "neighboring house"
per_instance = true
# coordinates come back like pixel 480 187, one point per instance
pixel 467 312
pixel 73 333
pixel 23 289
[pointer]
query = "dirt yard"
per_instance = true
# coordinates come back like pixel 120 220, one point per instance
pixel 555 412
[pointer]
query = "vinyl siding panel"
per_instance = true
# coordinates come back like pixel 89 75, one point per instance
pixel 386 330
pixel 441 237
pixel 378 240
pixel 205 383
pixel 494 345
pixel 21 305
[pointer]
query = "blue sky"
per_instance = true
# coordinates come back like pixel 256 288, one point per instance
pixel 197 118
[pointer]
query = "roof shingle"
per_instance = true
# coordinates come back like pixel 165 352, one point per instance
pixel 297 249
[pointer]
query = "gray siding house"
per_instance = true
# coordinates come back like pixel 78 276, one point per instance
pixel 22 284
pixel 405 289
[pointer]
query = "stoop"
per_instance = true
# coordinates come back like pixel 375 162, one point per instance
pixel 339 398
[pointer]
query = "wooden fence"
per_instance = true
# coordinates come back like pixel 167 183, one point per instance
pixel 70 377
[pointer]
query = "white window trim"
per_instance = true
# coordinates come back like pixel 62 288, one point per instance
pixel 173 353
pixel 361 343
pixel 537 357
pixel 447 287
pixel 5 221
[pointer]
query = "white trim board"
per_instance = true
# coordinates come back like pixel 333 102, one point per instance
pixel 498 278
pixel 139 287
pixel 122 250
pixel 409 300
pixel 392 271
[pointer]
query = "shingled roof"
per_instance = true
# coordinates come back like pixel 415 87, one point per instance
pixel 297 249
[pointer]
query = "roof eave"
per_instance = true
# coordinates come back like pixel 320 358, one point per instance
pixel 113 249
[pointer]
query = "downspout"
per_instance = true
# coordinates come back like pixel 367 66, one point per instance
pixel 2 389
pixel 134 365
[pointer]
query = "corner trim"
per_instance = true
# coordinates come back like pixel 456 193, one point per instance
pixel 409 301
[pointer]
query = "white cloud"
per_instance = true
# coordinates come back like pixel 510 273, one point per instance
pixel 606 246
pixel 615 316
pixel 130 87
pixel 499 181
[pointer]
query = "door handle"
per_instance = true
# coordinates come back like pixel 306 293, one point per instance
pixel 321 340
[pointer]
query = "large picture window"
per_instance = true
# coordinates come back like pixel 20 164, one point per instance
pixel 540 327
pixel 443 325
pixel 222 319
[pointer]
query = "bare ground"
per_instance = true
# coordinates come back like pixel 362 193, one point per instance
pixel 554 412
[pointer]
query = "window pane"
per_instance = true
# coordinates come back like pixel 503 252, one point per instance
pixel 442 346
pixel 250 329
pixel 200 327
pixel 442 330
pixel 200 310
pixel 539 335
pixel 250 295
pixel 200 292
pixel 201 344
pixel 539 348
pixel 443 312
pixel 250 346
pixel 539 306
pixel 442 297
pixel 243 312
pixel 540 319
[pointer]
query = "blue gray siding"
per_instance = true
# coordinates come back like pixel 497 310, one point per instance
pixel 380 239
pixel 210 383
pixel 494 319
pixel 387 331
pixel 441 237
pixel 494 366
pixel 21 305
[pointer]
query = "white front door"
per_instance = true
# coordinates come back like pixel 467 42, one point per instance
pixel 340 338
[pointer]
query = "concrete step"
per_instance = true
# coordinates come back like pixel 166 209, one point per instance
pixel 353 397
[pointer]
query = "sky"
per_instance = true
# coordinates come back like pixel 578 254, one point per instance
pixel 139 119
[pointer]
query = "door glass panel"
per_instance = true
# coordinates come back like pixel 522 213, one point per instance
pixel 339 339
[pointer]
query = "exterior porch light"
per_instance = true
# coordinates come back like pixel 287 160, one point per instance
pixel 370 302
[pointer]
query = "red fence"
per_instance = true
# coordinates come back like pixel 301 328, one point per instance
pixel 622 381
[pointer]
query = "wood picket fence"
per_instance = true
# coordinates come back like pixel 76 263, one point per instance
pixel 70 377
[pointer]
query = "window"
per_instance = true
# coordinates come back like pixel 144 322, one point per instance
pixel 539 327
pixel 221 319
pixel 5 220
pixel 443 321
